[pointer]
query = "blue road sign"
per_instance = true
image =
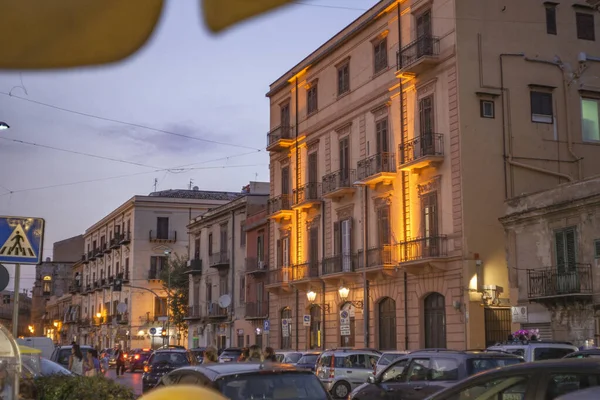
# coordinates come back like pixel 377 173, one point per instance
pixel 153 331
pixel 21 240
pixel 267 326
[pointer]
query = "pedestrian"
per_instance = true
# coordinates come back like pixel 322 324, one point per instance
pixel 93 364
pixel 244 355
pixel 104 361
pixel 255 354
pixel 120 359
pixel 76 360
pixel 210 356
pixel 270 354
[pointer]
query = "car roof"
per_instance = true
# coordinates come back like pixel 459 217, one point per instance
pixel 218 370
pixel 170 351
pixel 233 349
pixel 68 346
pixel 559 363
pixel 468 353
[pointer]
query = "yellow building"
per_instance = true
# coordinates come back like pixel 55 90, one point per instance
pixel 393 148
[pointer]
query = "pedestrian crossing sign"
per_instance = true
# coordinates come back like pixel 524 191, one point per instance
pixel 21 240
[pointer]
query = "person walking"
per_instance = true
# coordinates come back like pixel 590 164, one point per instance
pixel 120 359
pixel 93 364
pixel 255 354
pixel 76 360
pixel 210 356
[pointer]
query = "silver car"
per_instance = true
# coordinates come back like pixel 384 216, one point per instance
pixel 341 371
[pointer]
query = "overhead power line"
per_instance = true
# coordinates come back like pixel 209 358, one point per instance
pixel 128 123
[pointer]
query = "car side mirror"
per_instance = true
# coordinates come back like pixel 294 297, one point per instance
pixel 371 379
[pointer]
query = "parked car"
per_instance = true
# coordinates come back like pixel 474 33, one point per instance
pixel 548 380
pixel 342 370
pixel 241 381
pixel 111 356
pixel 162 362
pixel 593 353
pixel 230 354
pixel 288 357
pixel 198 352
pixel 387 358
pixel 424 372
pixel 136 359
pixel 51 368
pixel 61 354
pixel 308 360
pixel 535 350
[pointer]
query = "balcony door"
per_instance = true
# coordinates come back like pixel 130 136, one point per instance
pixel 384 236
pixel 383 146
pixel 285 180
pixel 345 162
pixel 424 34
pixel 426 127
pixel 346 244
pixel 429 219
pixel 285 251
pixel 312 176
pixel 162 228
pixel 285 120
pixel 567 278
pixel 313 248
pixel 260 299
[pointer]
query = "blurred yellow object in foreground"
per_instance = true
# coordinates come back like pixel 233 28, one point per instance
pixel 221 14
pixel 183 392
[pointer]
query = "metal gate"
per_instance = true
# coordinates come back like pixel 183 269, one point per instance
pixel 497 325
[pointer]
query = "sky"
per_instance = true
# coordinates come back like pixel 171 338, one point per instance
pixel 83 141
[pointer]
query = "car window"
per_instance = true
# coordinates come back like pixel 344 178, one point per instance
pixel 550 353
pixel 387 358
pixel 477 365
pixel 51 368
pixel 395 372
pixel 418 370
pixel 509 388
pixel 582 355
pixel 561 384
pixel 170 358
pixel 324 361
pixel 358 361
pixel 292 358
pixel 308 359
pixel 444 369
pixel 284 386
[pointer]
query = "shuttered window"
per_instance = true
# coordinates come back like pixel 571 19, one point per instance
pixel 566 253
pixel 383 226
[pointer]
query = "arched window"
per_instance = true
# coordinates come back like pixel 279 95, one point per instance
pixel 387 324
pixel 348 333
pixel 286 328
pixel 435 321
pixel 315 332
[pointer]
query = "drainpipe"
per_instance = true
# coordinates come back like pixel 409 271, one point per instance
pixel 567 114
pixel 297 213
pixel 323 319
pixel 404 178
pixel 297 319
pixel 232 272
pixel 365 239
pixel 323 316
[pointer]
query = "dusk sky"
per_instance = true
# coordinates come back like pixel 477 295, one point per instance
pixel 184 81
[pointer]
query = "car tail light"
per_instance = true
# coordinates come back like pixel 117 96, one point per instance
pixel 147 368
pixel 332 368
pixel 137 357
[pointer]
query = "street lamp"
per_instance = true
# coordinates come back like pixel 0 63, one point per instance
pixel 3 126
pixel 311 295
pixel 344 291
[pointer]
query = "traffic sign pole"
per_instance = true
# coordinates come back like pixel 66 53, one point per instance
pixel 15 318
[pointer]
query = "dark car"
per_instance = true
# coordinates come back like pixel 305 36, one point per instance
pixel 230 354
pixel 162 362
pixel 61 354
pixel 547 380
pixel 308 361
pixel 136 359
pixel 238 381
pixel 424 372
pixel 587 353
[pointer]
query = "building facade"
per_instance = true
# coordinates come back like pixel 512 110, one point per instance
pixel 7 299
pixel 393 148
pixel 131 245
pixel 218 284
pixel 553 250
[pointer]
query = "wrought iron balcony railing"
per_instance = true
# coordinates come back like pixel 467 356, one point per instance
pixel 307 193
pixel 425 145
pixel 341 179
pixel 279 133
pixel 424 46
pixel 570 280
pixel 339 263
pixel 376 164
pixel 280 203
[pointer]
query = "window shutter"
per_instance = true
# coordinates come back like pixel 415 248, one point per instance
pixel 153 265
pixel 279 254
pixel 571 250
pixel 350 233
pixel 337 239
pixel 560 251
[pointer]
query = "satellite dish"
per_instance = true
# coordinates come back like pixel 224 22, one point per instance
pixel 224 301
pixel 122 307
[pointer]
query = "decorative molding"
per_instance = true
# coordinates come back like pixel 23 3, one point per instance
pixel 382 201
pixel 345 212
pixel 312 145
pixel 426 88
pixel 420 6
pixel 285 101
pixel 382 35
pixel 311 83
pixel 313 222
pixel 342 62
pixel 285 231
pixel 382 108
pixel 284 160
pixel 432 185
pixel 344 128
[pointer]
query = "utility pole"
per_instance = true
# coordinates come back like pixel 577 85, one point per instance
pixel 15 319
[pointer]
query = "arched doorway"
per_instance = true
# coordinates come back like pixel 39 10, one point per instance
pixel 314 331
pixel 435 321
pixel 347 340
pixel 286 328
pixel 387 324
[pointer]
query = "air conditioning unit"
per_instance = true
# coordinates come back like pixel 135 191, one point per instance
pixel 261 265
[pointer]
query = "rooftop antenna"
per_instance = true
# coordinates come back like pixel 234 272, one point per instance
pixel 191 182
pixel 155 183
pixel 256 176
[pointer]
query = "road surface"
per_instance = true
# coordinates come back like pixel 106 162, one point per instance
pixel 131 380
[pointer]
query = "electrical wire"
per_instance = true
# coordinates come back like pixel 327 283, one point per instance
pixel 128 123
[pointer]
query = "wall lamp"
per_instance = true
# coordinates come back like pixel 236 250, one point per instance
pixel 344 292
pixel 311 296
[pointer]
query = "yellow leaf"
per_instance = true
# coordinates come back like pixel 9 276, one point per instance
pixel 221 14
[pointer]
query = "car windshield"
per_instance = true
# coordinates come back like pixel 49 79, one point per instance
pixel 476 365
pixel 272 386
pixel 51 368
pixel 292 358
pixel 170 358
pixel 64 354
pixel 231 353
pixel 387 358
pixel 308 359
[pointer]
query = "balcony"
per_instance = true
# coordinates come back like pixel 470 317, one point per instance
pixel 280 138
pixel 338 184
pixel 255 266
pixel 415 254
pixel 307 196
pixel 84 258
pixel 379 168
pixel 75 287
pixel 153 275
pixel 418 56
pixel 571 283
pixel 339 264
pixel 194 267
pixel 257 310
pixel 106 247
pixel 124 277
pixel 219 260
pixel 114 242
pixel 104 282
pixel 194 312
pixel 100 251
pixel 280 207
pixel 91 255
pixel 422 151
pixel 214 311
pixel 97 285
pixel 88 288
pixel 125 238
pixel 279 279
pixel 162 237
pixel 307 271
pixel 122 319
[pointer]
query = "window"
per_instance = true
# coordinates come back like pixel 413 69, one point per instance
pixel 242 289
pixel 551 19
pixel 223 239
pixel 285 180
pixel 47 285
pixel 381 135
pixel 486 108
pixel 380 55
pixel 197 248
pixel 444 369
pixel 162 228
pixel 343 79
pixel 541 107
pixel 585 26
pixel 345 161
pixel 260 248
pixel 590 120
pixel 561 384
pixel 242 234
pixel 383 226
pixel 210 244
pixel 565 246
pixel 240 339
pixel 597 248
pixel 512 388
pixel 550 353
pixel 223 287
pixel 311 99
pixel 157 264
pixel 419 370
pixel 160 306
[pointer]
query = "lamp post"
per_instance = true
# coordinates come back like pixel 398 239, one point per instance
pixel 168 253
